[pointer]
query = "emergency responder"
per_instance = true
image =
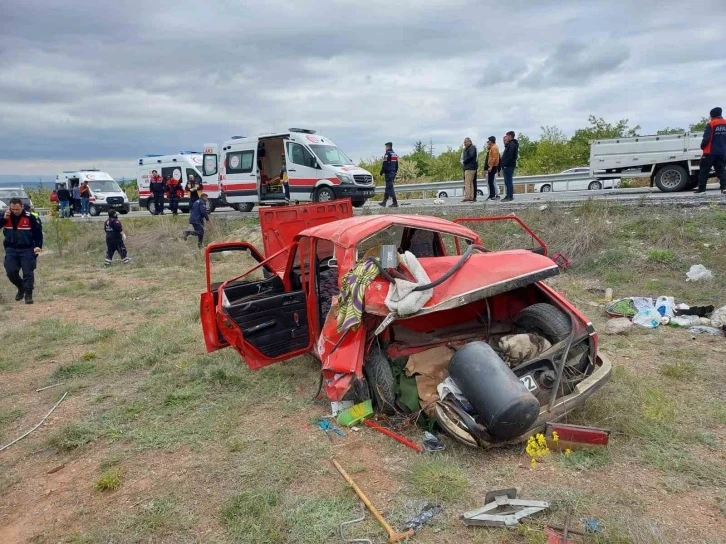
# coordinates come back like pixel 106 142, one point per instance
pixel 389 169
pixel 714 151
pixel 172 191
pixel 195 189
pixel 157 187
pixel 197 215
pixel 284 179
pixel 115 238
pixel 23 241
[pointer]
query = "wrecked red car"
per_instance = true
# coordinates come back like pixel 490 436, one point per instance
pixel 364 293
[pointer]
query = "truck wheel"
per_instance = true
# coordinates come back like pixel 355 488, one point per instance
pixel 594 186
pixel 93 211
pixel 672 178
pixel 324 194
pixel 379 376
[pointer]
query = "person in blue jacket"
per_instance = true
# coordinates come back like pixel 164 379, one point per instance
pixel 115 238
pixel 389 169
pixel 23 241
pixel 197 215
pixel 714 151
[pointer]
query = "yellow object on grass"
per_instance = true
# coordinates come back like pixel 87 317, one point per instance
pixel 355 414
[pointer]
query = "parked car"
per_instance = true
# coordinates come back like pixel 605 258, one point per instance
pixel 8 193
pixel 458 192
pixel 289 304
pixel 590 184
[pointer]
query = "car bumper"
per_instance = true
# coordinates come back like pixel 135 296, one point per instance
pixel 354 192
pixel 105 206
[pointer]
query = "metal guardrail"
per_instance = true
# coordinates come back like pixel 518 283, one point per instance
pixel 436 186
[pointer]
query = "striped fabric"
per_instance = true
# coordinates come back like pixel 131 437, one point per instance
pixel 352 293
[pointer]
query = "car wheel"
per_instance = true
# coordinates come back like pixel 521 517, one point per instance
pixel 594 186
pixel 545 189
pixel 443 194
pixel 93 211
pixel 324 194
pixel 245 207
pixel 545 320
pixel 379 376
pixel 479 192
pixel 151 207
pixel 672 178
pixel 123 212
pixel 210 205
pixel 359 203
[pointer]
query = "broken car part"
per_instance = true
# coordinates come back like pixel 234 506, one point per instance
pixel 503 509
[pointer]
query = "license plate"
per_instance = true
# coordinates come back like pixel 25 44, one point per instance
pixel 529 383
pixel 117 205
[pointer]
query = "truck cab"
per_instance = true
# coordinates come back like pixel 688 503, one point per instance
pixel 251 170
pixel 105 193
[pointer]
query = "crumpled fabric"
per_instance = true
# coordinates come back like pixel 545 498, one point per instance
pixel 352 294
pixel 401 298
pixel 518 348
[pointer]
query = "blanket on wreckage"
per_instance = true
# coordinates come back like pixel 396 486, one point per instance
pixel 352 294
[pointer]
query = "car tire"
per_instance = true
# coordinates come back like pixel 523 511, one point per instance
pixel 479 192
pixel 93 211
pixel 123 212
pixel 545 188
pixel 594 186
pixel 545 320
pixel 211 206
pixel 443 194
pixel 324 194
pixel 359 204
pixel 151 207
pixel 672 178
pixel 245 207
pixel 377 370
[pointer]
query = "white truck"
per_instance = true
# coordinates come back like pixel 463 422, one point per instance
pixel 671 160
pixel 105 192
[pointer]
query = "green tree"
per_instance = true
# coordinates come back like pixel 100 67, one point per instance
pixel 700 126
pixel 598 129
pixel 669 130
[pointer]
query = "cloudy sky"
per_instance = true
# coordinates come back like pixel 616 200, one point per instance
pixel 88 83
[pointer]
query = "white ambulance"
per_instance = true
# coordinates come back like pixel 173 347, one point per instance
pixel 180 167
pixel 248 170
pixel 105 192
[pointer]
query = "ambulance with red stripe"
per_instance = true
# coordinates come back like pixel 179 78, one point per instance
pixel 179 167
pixel 248 170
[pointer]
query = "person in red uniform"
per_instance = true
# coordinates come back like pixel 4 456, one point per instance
pixel 172 192
pixel 714 151
pixel 157 187
pixel 23 241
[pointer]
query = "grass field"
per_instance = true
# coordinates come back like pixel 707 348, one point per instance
pixel 158 441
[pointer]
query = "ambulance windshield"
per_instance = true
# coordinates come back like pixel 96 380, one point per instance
pixel 329 154
pixel 104 186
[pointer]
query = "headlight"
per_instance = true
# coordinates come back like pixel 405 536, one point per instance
pixel 345 178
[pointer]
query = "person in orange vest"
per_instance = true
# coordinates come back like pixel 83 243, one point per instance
pixel 157 186
pixel 172 191
pixel 23 242
pixel 714 151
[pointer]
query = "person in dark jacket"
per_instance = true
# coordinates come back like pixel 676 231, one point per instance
pixel 64 201
pixel 172 191
pixel 157 188
pixel 509 163
pixel 23 242
pixel 115 238
pixel 714 151
pixel 470 163
pixel 197 215
pixel 389 169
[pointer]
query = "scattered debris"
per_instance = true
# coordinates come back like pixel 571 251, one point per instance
pixel 553 537
pixel 425 516
pixel 718 318
pixel 403 440
pixel 564 437
pixel 431 443
pixel 439 201
pixel 699 272
pixel 430 368
pixel 327 427
pixel 705 330
pixel 355 414
pixel 49 387
pixel 503 509
pixel 345 524
pixel 608 294
pixel 619 325
pixel 517 348
pixel 592 525
pixel 649 318
pixel 338 407
pixel 393 536
pixel 6 446
pixel 543 207
pixel 561 260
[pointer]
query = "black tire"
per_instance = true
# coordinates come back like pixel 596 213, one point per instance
pixel 324 194
pixel 479 192
pixel 93 211
pixel 545 320
pixel 244 207
pixel 379 376
pixel 211 206
pixel 545 188
pixel 151 207
pixel 443 194
pixel 359 204
pixel 672 178
pixel 123 212
pixel 594 186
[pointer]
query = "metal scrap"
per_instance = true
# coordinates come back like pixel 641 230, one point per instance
pixel 502 509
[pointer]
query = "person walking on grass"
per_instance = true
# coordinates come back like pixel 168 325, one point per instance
pixel 85 198
pixel 197 215
pixel 714 152
pixel 389 169
pixel 471 164
pixel 509 163
pixel 23 242
pixel 492 166
pixel 115 238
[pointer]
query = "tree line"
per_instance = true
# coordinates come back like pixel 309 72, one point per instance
pixel 553 152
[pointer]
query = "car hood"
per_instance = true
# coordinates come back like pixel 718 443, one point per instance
pixel 482 276
pixel 349 169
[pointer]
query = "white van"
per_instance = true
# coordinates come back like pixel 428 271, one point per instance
pixel 180 167
pixel 317 170
pixel 105 192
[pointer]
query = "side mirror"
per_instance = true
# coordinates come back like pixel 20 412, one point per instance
pixel 333 263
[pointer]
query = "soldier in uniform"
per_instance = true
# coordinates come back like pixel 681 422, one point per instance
pixel 115 238
pixel 389 169
pixel 23 241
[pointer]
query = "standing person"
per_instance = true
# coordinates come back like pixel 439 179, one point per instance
pixel 85 198
pixel 115 238
pixel 261 152
pixel 492 166
pixel 195 189
pixel 172 191
pixel 284 179
pixel 197 215
pixel 23 241
pixel 157 186
pixel 389 169
pixel 64 200
pixel 714 151
pixel 76 200
pixel 509 163
pixel 471 165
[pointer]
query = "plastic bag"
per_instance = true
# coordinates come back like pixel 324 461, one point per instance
pixel 642 303
pixel 718 317
pixel 649 318
pixel 698 272
pixel 705 330
pixel 686 320
pixel 665 306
